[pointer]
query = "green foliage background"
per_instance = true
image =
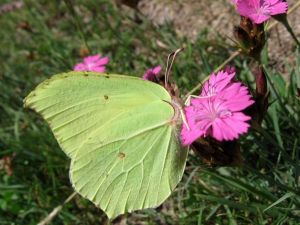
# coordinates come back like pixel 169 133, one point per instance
pixel 46 37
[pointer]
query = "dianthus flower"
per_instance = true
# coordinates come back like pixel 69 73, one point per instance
pixel 151 74
pixel 217 111
pixel 261 10
pixel 94 63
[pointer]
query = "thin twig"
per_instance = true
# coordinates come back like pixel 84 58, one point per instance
pixel 238 52
pixel 56 210
pixel 228 60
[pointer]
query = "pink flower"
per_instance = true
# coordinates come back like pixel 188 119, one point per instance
pixel 261 10
pixel 217 82
pixel 151 74
pixel 94 63
pixel 217 111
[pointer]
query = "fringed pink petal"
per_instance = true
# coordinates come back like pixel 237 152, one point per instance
pixel 218 112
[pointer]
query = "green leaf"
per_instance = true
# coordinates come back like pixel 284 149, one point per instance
pixel 287 195
pixel 121 135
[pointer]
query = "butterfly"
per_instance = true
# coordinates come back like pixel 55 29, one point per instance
pixel 121 133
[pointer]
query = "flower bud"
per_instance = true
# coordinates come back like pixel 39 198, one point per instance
pixel 246 24
pixel 251 37
pixel 261 82
pixel 262 95
pixel 242 38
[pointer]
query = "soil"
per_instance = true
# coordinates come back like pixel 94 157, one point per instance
pixel 189 17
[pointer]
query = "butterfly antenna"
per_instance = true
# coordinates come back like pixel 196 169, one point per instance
pixel 169 67
pixel 184 119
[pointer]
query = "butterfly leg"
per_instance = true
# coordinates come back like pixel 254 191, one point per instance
pixel 184 118
pixel 188 100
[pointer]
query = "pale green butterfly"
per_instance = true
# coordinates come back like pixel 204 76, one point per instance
pixel 121 134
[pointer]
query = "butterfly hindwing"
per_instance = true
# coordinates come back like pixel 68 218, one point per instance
pixel 118 131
